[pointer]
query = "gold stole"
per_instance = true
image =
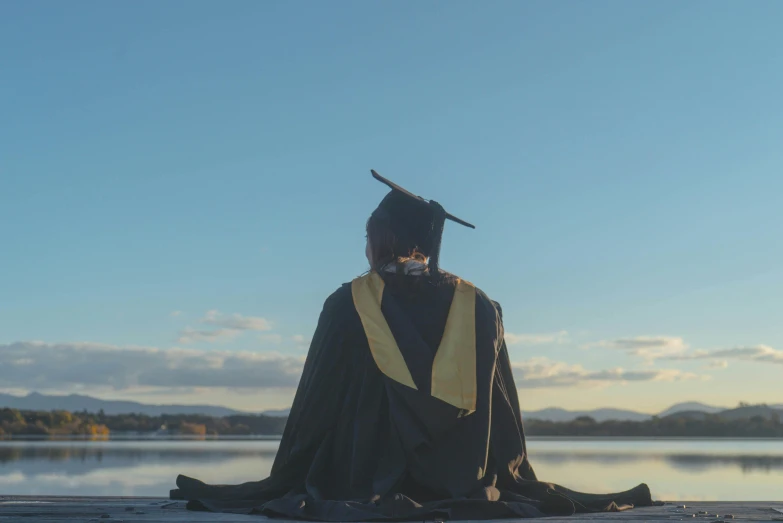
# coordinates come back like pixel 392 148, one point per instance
pixel 454 366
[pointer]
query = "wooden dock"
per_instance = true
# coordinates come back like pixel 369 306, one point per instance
pixel 29 509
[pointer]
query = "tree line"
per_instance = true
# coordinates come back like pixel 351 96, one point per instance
pixel 15 422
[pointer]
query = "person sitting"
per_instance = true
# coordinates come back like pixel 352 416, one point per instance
pixel 407 406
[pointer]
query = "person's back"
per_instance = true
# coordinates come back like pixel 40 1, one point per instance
pixel 424 304
pixel 407 406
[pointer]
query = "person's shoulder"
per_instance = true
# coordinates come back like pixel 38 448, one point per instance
pixel 340 298
pixel 491 306
pixel 338 308
pixel 482 299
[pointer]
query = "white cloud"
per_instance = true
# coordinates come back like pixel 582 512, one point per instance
pixel 39 366
pixel 229 327
pixel 536 339
pixel 648 348
pixel 652 348
pixel 175 314
pixel 189 335
pixel 757 353
pixel 544 373
pixel 235 321
pixel 299 339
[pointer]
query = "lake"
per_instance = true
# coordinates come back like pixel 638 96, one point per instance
pixel 728 470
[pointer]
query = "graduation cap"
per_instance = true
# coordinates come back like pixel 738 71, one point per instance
pixel 416 222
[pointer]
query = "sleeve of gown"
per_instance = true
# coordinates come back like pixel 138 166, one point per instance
pixel 504 380
pixel 316 406
pixel 508 386
pixel 506 375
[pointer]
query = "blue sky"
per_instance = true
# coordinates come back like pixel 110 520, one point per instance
pixel 182 185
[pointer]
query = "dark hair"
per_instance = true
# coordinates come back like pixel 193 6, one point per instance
pixel 385 247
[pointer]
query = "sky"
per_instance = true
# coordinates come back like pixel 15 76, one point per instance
pixel 182 185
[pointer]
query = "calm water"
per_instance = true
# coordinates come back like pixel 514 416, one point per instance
pixel 674 469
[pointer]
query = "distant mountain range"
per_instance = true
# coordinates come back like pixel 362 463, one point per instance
pixel 563 415
pixel 78 403
pixel 689 410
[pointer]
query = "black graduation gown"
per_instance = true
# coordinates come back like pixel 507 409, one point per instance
pixel 359 446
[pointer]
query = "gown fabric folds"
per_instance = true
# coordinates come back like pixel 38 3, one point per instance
pixel 360 445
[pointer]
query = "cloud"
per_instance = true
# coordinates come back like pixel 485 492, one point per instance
pixel 536 339
pixel 236 321
pixel 758 353
pixel 175 314
pixel 647 347
pixel 189 335
pixel 544 373
pixel 301 340
pixel 39 366
pixel 229 327
pixel 671 348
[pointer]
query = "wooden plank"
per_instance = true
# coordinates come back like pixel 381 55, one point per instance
pixel 18 509
pixel 110 510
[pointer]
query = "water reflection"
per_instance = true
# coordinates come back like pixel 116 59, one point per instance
pixel 741 470
pixel 685 462
pixel 130 452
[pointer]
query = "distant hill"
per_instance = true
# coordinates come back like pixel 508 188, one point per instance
pixel 78 403
pixel 563 415
pixel 744 412
pixel 278 413
pixel 751 411
pixel 687 415
pixel 691 406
